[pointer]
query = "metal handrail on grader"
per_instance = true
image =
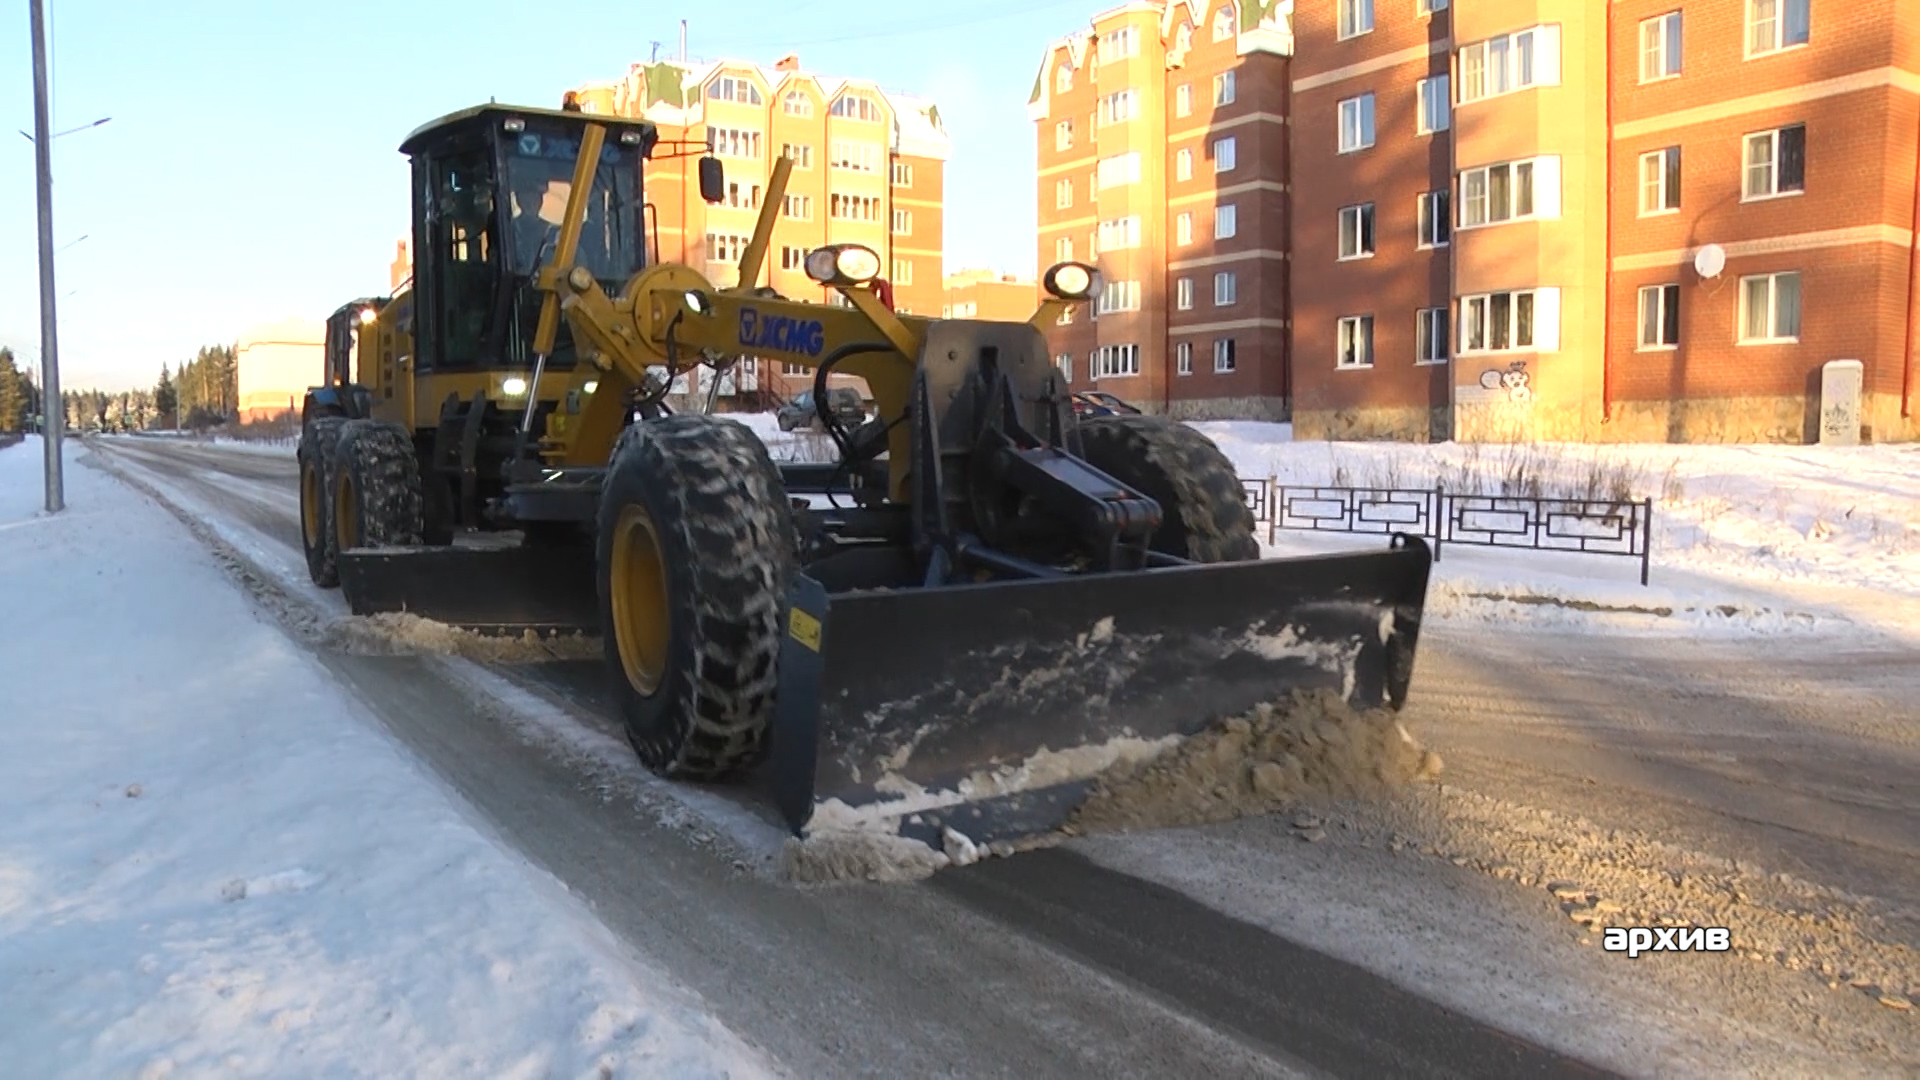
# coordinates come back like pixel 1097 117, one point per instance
pixel 992 582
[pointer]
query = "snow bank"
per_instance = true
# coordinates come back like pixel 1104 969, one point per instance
pixel 211 860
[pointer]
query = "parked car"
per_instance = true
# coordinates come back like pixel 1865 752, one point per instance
pixel 800 415
pixel 1099 403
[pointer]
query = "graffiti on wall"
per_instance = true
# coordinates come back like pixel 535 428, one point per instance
pixel 1513 383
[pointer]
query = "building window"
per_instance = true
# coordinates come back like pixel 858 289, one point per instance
pixel 1356 231
pixel 1510 191
pixel 1120 108
pixel 1183 229
pixel 1119 234
pixel 857 106
pixel 735 143
pixel 793 369
pixel 799 207
pixel 966 311
pixel 735 89
pixel 801 156
pixel 796 103
pixel 1776 162
pixel 1224 154
pixel 1770 308
pixel 725 247
pixel 1356 123
pixel 1223 88
pixel 1118 296
pixel 1183 164
pixel 1183 294
pixel 1223 24
pixel 1356 18
pixel 1115 360
pixel 902 174
pixel 1063 249
pixel 1436 221
pixel 1510 63
pixel 853 208
pixel 1773 25
pixel 1356 342
pixel 1659 316
pixel 1660 181
pixel 1226 288
pixel 1119 170
pixel 743 198
pixel 1226 222
pixel 902 222
pixel 1436 108
pixel 1183 358
pixel 856 156
pixel 793 258
pixel 1223 359
pixel 1510 321
pixel 902 271
pixel 1119 44
pixel 1660 47
pixel 1430 345
pixel 1428 7
pixel 1063 193
pixel 1063 135
pixel 1063 79
pixel 1183 100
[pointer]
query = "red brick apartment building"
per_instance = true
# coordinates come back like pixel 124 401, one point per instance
pixel 1162 134
pixel 1503 208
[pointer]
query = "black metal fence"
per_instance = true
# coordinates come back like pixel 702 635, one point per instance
pixel 1519 522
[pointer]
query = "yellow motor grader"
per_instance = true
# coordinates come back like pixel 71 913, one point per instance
pixel 991 579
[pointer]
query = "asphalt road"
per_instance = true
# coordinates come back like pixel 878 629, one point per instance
pixel 1048 964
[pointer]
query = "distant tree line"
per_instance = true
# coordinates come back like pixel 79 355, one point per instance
pixel 201 393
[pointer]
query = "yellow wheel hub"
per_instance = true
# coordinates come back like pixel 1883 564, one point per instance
pixel 346 514
pixel 642 620
pixel 311 501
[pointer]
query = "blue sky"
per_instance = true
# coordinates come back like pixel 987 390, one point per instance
pixel 250 172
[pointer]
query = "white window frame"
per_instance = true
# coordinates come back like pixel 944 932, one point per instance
pixel 902 222
pixel 1661 44
pixel 1226 154
pixel 1433 218
pixel 902 174
pixel 1429 335
pixel 1226 288
pixel 1501 64
pixel 1772 140
pixel 798 208
pixel 1541 186
pixel 1223 24
pixel 1353 337
pixel 1475 317
pixel 1659 188
pixel 1183 358
pixel 1183 164
pixel 1773 282
pixel 1119 234
pixel 1352 18
pixel 796 103
pixel 902 272
pixel 1120 107
pixel 1356 123
pixel 1063 249
pixel 1063 134
pixel 1118 296
pixel 1118 170
pixel 1183 100
pixel 1226 221
pixel 852 155
pixel 1657 305
pixel 1063 78
pixel 1119 44
pixel 1436 106
pixel 792 258
pixel 1116 361
pixel 1224 360
pixel 1183 294
pixel 1063 193
pixel 1183 229
pixel 1223 88
pixel 1428 7
pixel 1357 221
pixel 743 143
pixel 801 154
pixel 1776 26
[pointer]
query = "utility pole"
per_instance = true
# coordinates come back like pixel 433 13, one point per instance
pixel 53 410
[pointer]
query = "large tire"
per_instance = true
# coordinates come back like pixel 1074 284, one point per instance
pixel 1203 514
pixel 319 438
pixel 696 548
pixel 376 488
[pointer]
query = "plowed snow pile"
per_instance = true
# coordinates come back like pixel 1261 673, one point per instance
pixel 1313 747
pixel 391 633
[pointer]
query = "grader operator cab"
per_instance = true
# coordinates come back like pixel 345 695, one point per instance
pixel 992 579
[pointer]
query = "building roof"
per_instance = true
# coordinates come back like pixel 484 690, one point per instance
pixel 1265 26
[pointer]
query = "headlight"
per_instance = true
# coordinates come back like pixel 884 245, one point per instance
pixel 1072 281
pixel 590 386
pixel 368 314
pixel 513 386
pixel 843 264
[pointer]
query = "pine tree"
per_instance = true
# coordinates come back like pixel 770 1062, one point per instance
pixel 166 400
pixel 13 394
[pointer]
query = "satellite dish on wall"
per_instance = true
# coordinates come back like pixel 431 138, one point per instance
pixel 1710 260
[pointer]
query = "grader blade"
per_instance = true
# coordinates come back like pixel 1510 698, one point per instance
pixel 990 708
pixel 488 590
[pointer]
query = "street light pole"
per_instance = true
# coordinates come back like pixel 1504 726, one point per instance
pixel 53 411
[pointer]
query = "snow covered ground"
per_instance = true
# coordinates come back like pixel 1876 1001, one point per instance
pixel 213 861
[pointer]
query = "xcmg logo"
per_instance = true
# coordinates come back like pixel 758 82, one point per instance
pixel 781 333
